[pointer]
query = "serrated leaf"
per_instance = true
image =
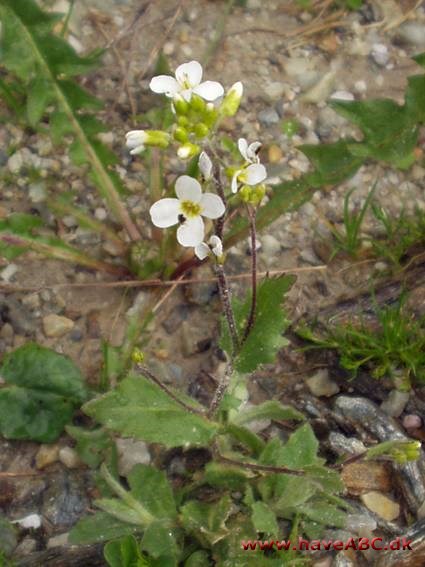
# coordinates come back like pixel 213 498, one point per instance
pixel 300 450
pixel 265 338
pixel 39 96
pixel 389 132
pixel 124 552
pixel 151 487
pixel 44 389
pixel 98 528
pixel 78 97
pixel 141 409
pixel 271 409
pixel 264 519
pixel 60 126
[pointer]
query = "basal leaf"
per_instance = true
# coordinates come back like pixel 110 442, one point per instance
pixel 225 476
pixel 415 97
pixel 159 539
pixel 44 389
pixel 301 449
pixel 124 552
pixel 420 59
pixel 141 409
pixel 121 511
pixel 98 528
pixel 271 409
pixel 264 519
pixel 35 367
pixel 91 445
pixel 151 487
pixel 265 338
pixel 332 162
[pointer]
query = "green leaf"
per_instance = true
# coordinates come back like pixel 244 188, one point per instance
pixel 141 409
pixel 120 510
pixel 389 132
pixel 39 96
pixel 332 162
pixel 225 476
pixel 98 528
pixel 159 539
pixel 324 513
pixel 300 450
pixel 420 59
pixel 207 521
pixel 151 487
pixel 91 445
pixel 124 552
pixel 265 338
pixel 415 97
pixel 8 537
pixel 264 519
pixel 271 409
pixel 246 437
pixel 44 388
pixel 198 559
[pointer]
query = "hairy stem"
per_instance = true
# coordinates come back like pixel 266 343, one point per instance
pixel 227 307
pixel 253 234
pixel 220 390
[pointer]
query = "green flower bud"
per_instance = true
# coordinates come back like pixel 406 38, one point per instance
pixel 181 106
pixel 157 138
pixel 201 130
pixel 181 135
pixel 252 194
pixel 137 356
pixel 183 121
pixel 232 100
pixel 197 103
pixel 188 150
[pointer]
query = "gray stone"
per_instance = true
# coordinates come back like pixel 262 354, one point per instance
pixel 270 245
pixel 342 445
pixel 69 457
pixel 37 192
pixel 380 54
pixel 18 315
pixel 412 33
pixel 395 403
pixel 130 453
pixel 321 385
pixel 8 272
pixel 321 90
pixel 268 117
pixel 65 500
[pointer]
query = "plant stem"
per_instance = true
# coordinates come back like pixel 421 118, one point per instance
pixel 251 318
pixel 260 468
pixel 146 372
pixel 227 307
pixel 220 390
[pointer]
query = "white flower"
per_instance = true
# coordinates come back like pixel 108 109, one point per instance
pixel 187 81
pixel 249 152
pixel 205 166
pixel 214 245
pixel 251 175
pixel 135 141
pixel 188 210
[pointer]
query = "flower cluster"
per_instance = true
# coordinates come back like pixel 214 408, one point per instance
pixel 197 106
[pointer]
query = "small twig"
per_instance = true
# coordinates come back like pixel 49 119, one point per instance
pixel 252 229
pixel 146 372
pixel 260 468
pixel 227 307
pixel 349 461
pixel 220 390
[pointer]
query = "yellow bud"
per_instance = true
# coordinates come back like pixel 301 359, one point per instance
pixel 180 134
pixel 201 130
pixel 137 356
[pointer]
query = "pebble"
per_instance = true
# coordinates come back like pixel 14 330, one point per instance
pixel 69 457
pixel 321 90
pixel 268 117
pixel 59 540
pixel 32 301
pixel 18 315
pixel 412 421
pixel 321 385
pixel 379 54
pixel 360 86
pixel 22 158
pixel 275 154
pixel 56 325
pixel 310 257
pixel 344 446
pixel 32 521
pixel 365 476
pixel 130 453
pixel 412 33
pixel 381 505
pixel 100 213
pixel 8 272
pixel 7 333
pixel 65 500
pixel 46 455
pixel 37 192
pixel 271 245
pixel 342 95
pixel 275 91
pixel 395 403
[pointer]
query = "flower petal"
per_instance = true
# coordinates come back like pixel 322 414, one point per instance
pixel 209 90
pixel 216 245
pixel 188 189
pixel 189 74
pixel 255 173
pixel 164 84
pixel 202 250
pixel 253 150
pixel 234 184
pixel 205 165
pixel 243 148
pixel 165 212
pixel 212 206
pixel 191 233
pixel 135 141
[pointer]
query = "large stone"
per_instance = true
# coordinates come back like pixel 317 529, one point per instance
pixel 381 505
pixel 56 325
